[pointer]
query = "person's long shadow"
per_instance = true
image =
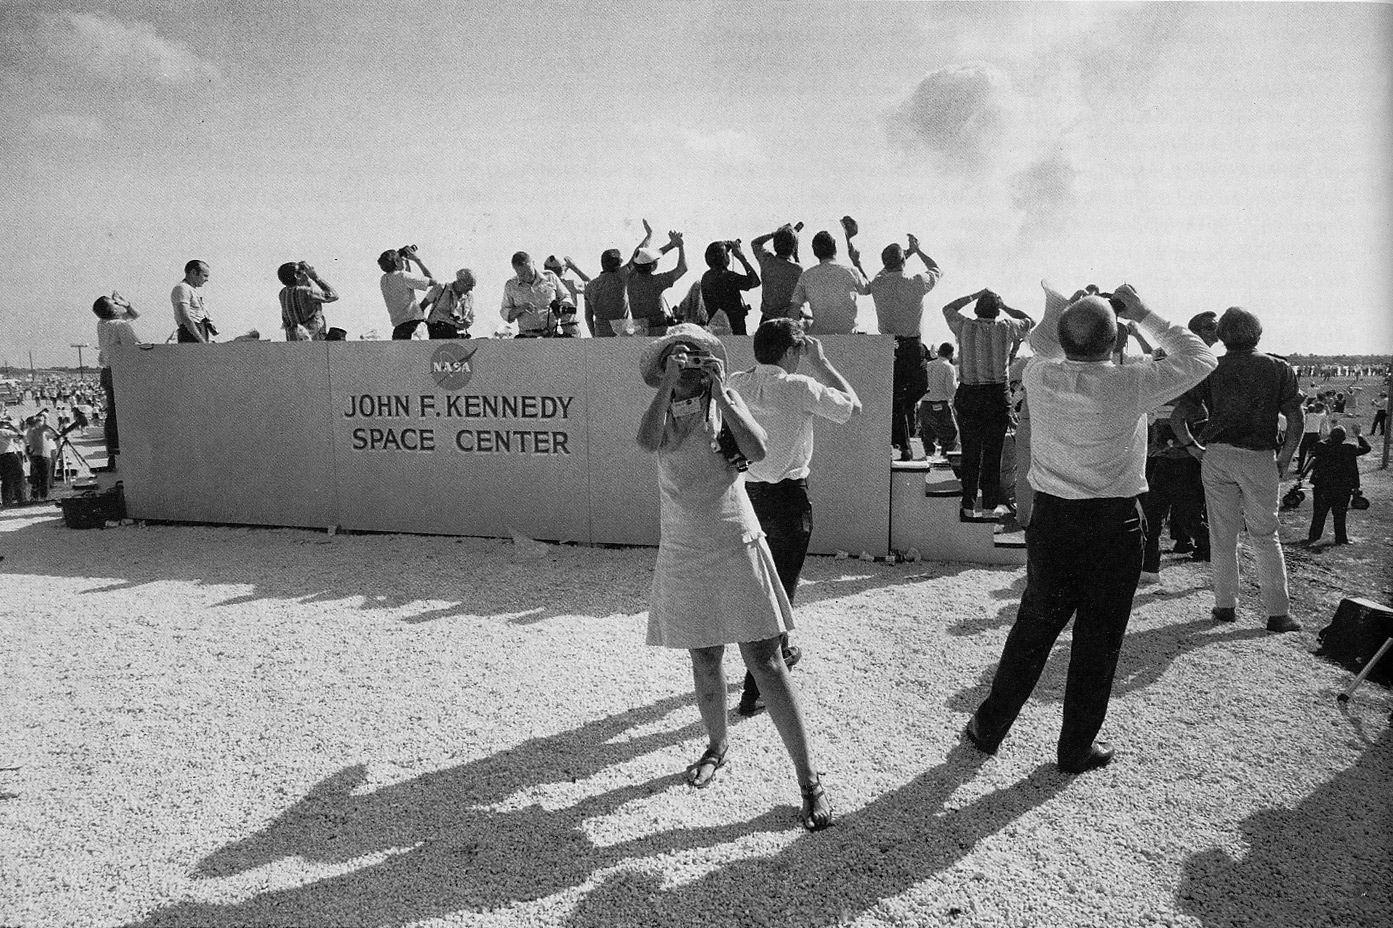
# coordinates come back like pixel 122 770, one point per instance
pixel 1145 657
pixel 457 839
pixel 872 854
pixel 1324 862
pixel 471 576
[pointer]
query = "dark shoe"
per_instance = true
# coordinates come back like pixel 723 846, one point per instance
pixel 1100 755
pixel 817 811
pixel 1183 547
pixel 1224 614
pixel 792 655
pixel 973 734
pixel 1282 623
pixel 749 708
pixel 710 759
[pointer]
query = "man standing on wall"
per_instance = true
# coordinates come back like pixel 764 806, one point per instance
pixel 1084 543
pixel 302 302
pixel 778 271
pixel 398 290
pixel 451 307
pixel 1243 398
pixel 829 289
pixel 189 314
pixel 983 401
pixel 535 300
pixel 721 287
pixel 899 305
pixel 646 285
pixel 784 403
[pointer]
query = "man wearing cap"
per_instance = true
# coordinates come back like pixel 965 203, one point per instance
pixel 535 300
pixel 785 404
pixel 645 284
pixel 12 491
pixel 829 289
pixel 899 306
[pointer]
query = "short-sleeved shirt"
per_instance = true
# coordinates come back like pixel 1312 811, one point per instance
pixel 1243 397
pixel 830 290
pixel 646 295
pixel 11 440
pixel 302 304
pixel 113 333
pixel 784 405
pixel 984 345
pixel 42 441
pixel 778 277
pixel 607 299
pixel 398 292
pixel 188 304
pixel 449 306
pixel 720 290
pixel 899 300
pixel 942 381
pixel 529 304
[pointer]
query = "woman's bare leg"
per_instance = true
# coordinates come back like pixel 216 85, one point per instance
pixel 709 679
pixel 766 661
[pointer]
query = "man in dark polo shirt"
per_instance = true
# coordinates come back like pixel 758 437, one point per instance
pixel 721 287
pixel 1240 470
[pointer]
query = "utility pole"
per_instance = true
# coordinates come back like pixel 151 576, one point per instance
pixel 1388 388
pixel 81 368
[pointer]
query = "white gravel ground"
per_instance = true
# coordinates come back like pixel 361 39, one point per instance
pixel 223 726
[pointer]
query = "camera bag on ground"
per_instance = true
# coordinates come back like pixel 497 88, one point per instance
pixel 1358 630
pixel 93 509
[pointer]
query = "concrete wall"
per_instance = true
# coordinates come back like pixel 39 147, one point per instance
pixel 480 437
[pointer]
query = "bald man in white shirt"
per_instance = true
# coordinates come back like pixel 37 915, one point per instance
pixel 1086 535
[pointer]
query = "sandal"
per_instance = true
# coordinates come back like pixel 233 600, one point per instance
pixel 817 811
pixel 709 758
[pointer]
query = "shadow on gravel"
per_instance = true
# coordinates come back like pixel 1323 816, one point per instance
pixel 457 839
pixel 472 576
pixel 1324 862
pixel 1145 657
pixel 874 853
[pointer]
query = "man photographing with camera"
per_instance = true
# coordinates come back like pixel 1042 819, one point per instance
pixel 398 289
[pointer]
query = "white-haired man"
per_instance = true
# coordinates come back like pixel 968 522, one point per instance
pixel 1085 538
pixel 1238 464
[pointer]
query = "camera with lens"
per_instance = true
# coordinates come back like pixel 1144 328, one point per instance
pixel 730 449
pixel 694 362
pixel 406 250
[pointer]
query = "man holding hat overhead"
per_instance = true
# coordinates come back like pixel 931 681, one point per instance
pixel 646 285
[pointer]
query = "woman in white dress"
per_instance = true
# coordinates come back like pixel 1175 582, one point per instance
pixel 715 582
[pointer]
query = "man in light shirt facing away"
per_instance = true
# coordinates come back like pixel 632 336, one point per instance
pixel 1084 543
pixel 784 403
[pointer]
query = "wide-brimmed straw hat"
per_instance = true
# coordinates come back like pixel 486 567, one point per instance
pixel 651 360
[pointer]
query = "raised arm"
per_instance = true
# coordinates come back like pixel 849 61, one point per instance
pixel 758 242
pixel 751 277
pixel 654 421
pixel 750 436
pixel 328 294
pixel 647 237
pixel 829 375
pixel 674 240
pixel 573 266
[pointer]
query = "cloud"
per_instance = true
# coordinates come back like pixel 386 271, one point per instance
pixel 119 51
pixel 956 113
pixel 1044 193
pixel 725 147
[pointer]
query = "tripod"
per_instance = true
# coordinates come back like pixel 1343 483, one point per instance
pixel 65 445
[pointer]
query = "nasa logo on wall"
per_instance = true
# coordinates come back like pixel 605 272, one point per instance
pixel 450 366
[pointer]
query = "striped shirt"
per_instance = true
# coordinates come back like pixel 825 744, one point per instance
pixel 984 345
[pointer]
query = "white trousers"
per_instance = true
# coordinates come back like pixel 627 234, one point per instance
pixel 1240 489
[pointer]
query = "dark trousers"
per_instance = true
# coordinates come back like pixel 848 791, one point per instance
pixel 1083 559
pixel 186 337
pixel 40 475
pixel 983 416
pixel 12 479
pixel 1308 441
pixel 1380 422
pixel 442 330
pixel 737 323
pixel 1330 499
pixel 911 379
pixel 113 441
pixel 937 427
pixel 1175 487
pixel 786 514
pixel 403 332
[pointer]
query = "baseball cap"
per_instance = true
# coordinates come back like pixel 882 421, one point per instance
pixel 647 256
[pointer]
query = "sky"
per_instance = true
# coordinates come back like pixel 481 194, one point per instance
pixel 1209 154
